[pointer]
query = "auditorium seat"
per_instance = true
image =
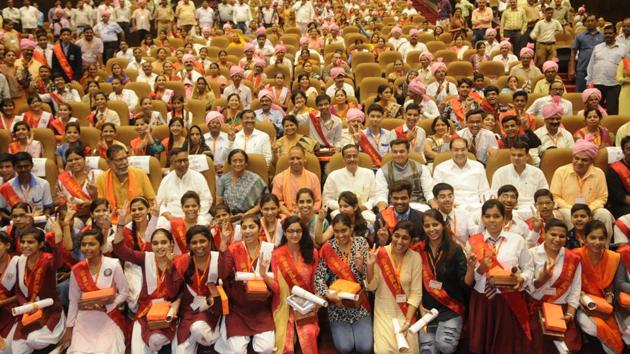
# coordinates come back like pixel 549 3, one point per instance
pixel 256 163
pixel 337 162
pixel 312 164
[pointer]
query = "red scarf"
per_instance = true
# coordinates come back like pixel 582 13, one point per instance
pixel 366 146
pixel 563 283
pixel 178 229
pixel 439 294
pixel 63 61
pixel 341 269
pixel 73 187
pixel 317 124
pixel 392 280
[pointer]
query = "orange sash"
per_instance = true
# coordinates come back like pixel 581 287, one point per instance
pixel 63 61
pixel 341 270
pixel 596 278
pixel 514 300
pixel 626 65
pixel 317 124
pixel 178 229
pixel 241 257
pixel 132 192
pixel 563 283
pixel 391 278
pixel 458 110
pixel 15 147
pixel 39 56
pixel 289 270
pixel 366 146
pixel 9 194
pixel 34 281
pixel 85 282
pixel 73 187
pixel 389 216
pixel 58 126
pixel 400 133
pixel 439 294
pixel 623 172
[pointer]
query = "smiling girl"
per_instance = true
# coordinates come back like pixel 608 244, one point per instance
pixel 145 144
pixel 314 220
pixel 72 137
pixel 179 226
pixel 23 141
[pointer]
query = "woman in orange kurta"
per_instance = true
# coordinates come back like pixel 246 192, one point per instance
pixel 599 266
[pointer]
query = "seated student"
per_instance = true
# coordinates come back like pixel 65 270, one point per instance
pixel 324 127
pixel 224 231
pixel 250 139
pixel 457 107
pixel 97 328
pixel 545 210
pixel 558 280
pixel 343 257
pixel 71 141
pixel 580 215
pixel 599 267
pixel 286 183
pixel 38 194
pixel 315 220
pixel 190 203
pixel 349 205
pixel 446 278
pixel 399 197
pixel 508 196
pixel 401 167
pixel 375 140
pixel 249 320
pixel 145 144
pixel 102 114
pixel 24 142
pixel 618 182
pixel 62 92
pixel 460 223
pixel 512 135
pixel 58 124
pixel 622 285
pixel 8 279
pixel 119 93
pixel 481 141
pixel 410 131
pixel 146 110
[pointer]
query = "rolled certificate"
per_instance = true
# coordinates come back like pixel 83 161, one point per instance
pixel 345 295
pixel 172 312
pixel 297 291
pixel 428 317
pixel 587 302
pixel 401 341
pixel 30 307
pixel 246 276
pixel 561 346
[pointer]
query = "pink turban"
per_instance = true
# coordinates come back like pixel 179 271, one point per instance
pixel 586 94
pixel 212 115
pixel 552 109
pixel 280 48
pixel 438 65
pixel 260 62
pixel 265 93
pixel 304 40
pixel 491 31
pixel 505 44
pixel 528 49
pixel 413 32
pixel 188 58
pixel 261 31
pixel 396 29
pixel 585 145
pixel 227 27
pixel 27 43
pixel 550 65
pixel 236 70
pixel 334 28
pixel 207 29
pixel 141 2
pixel 417 87
pixel 59 12
pixel 581 9
pixel 336 71
pixel 249 47
pixel 355 114
pixel 326 26
pixel 426 55
pixel 409 2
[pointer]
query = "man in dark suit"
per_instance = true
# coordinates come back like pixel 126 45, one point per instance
pixel 399 210
pixel 66 58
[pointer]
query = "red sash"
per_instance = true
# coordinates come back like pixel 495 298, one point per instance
pixel 15 147
pixel 178 229
pixel 317 124
pixel 289 270
pixel 85 282
pixel 39 56
pixel 389 216
pixel 563 283
pixel 458 110
pixel 366 146
pixel 623 172
pixel 439 294
pixel 72 186
pixel 143 246
pixel 341 270
pixel 9 194
pixel 623 227
pixel 515 300
pixel 626 65
pixel 241 257
pixel 400 133
pixel 63 61
pixel 58 126
pixel 391 278
pixel 35 281
pixel 57 98
pixel 541 230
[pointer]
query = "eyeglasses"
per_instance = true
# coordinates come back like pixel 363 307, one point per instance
pixel 293 231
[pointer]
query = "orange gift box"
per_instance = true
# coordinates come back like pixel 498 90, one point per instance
pixel 101 296
pixel 553 317
pixel 256 290
pixel 158 311
pixel 624 300
pixel 221 303
pixel 501 277
pixel 345 286
pixel 602 306
pixel 35 318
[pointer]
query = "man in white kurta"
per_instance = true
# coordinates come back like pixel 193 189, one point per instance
pixel 252 140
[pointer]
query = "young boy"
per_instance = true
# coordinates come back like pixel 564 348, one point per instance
pixel 580 215
pixel 508 196
pixel 459 220
pixel 544 211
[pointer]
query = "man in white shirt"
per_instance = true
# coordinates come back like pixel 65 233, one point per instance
pixel 28 16
pixel 339 74
pixel 226 11
pixel 188 74
pixel 353 178
pixel 136 61
pixel 461 222
pixel 526 178
pixel 217 140
pixel 146 74
pixel 244 92
pixel 119 93
pixel 324 127
pixel 552 135
pixel 396 39
pixel 62 93
pixel 412 45
pixel 468 177
pixel 179 181
pixel 141 21
pixel 410 10
pixel 12 14
pixel 124 51
pixel 304 14
pixel 205 15
pixel 482 142
pixel 555 94
pixel 241 15
pixel 250 139
pixel 624 36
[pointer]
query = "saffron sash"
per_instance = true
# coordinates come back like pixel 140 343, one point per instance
pixel 289 270
pixel 63 61
pixel 458 110
pixel 389 216
pixel 342 270
pixel 85 282
pixel 317 124
pixel 563 283
pixel 626 65
pixel 623 172
pixel 515 300
pixel 39 56
pixel 178 229
pixel 400 133
pixel 9 194
pixel 439 294
pixel 366 146
pixel 132 191
pixel 391 278
pixel 15 147
pixel 241 257
pixel 73 187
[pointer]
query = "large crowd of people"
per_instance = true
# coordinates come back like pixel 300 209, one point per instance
pixel 281 177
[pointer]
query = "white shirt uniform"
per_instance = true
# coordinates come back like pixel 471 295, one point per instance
pixel 572 295
pixel 469 182
pixel 257 143
pixel 526 183
pixel 172 188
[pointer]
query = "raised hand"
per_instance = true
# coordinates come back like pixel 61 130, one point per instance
pixel 371 257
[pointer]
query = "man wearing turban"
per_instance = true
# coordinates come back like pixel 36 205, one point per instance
pixel 580 182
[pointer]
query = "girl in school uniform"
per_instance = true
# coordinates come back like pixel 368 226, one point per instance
pixel 557 280
pixel 96 328
pixel 178 226
pixel 161 283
